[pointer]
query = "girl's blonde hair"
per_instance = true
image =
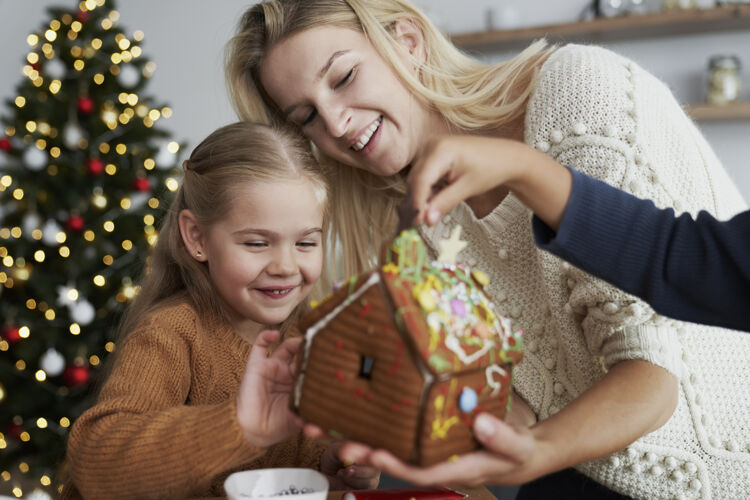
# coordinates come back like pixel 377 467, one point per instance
pixel 218 167
pixel 470 95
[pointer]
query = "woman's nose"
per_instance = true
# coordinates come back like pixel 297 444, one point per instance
pixel 336 119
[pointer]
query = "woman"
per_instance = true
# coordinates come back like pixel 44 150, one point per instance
pixel 376 87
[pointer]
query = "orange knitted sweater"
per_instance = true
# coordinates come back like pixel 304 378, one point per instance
pixel 165 425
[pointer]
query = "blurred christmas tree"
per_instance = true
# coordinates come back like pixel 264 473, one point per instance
pixel 84 173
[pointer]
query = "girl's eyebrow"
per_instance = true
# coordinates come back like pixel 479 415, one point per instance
pixel 265 232
pixel 321 74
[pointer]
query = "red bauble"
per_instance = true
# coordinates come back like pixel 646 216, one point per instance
pixel 36 66
pixel 94 166
pixel 74 223
pixel 5 144
pixel 15 431
pixel 85 105
pixel 82 16
pixel 141 184
pixel 11 334
pixel 76 375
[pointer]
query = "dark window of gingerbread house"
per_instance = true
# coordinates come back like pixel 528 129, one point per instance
pixel 365 367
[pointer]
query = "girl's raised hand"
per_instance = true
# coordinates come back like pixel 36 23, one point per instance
pixel 263 398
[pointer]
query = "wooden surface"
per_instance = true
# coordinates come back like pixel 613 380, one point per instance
pixel 709 112
pixel 679 22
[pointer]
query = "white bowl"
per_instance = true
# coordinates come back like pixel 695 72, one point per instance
pixel 277 484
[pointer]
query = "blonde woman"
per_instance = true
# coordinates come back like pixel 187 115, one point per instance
pixel 638 404
pixel 196 390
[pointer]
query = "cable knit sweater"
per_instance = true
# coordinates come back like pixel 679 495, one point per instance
pixel 607 117
pixel 165 423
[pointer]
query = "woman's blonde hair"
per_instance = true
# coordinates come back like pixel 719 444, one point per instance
pixel 217 169
pixel 470 95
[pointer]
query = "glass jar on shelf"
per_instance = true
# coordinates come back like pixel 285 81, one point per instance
pixel 723 79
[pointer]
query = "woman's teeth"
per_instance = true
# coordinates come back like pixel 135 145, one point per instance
pixel 364 139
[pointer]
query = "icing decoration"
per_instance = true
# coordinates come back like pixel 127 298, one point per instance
pixel 468 400
pixel 450 248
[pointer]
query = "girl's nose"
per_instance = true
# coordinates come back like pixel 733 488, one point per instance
pixel 283 263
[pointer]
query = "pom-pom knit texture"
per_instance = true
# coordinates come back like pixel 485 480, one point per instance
pixel 602 114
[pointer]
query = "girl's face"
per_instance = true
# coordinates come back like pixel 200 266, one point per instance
pixel 346 98
pixel 265 255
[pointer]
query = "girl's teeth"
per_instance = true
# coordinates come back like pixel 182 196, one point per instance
pixel 365 138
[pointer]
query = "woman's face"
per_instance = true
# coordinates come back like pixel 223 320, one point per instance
pixel 347 99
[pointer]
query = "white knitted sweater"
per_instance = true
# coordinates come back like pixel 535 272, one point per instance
pixel 602 114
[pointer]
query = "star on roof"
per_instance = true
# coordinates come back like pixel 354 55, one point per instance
pixel 450 248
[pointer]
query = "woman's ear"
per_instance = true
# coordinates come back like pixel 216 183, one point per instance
pixel 192 236
pixel 409 34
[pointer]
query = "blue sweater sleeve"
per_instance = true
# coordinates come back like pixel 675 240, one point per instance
pixel 693 270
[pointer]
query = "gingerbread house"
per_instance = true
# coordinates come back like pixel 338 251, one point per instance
pixel 405 356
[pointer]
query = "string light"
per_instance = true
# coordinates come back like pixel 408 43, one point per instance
pixel 32 40
pixel 75 329
pixel 40 375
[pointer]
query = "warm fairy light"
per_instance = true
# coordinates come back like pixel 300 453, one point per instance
pixel 40 375
pixel 45 480
pixel 116 58
pixel 149 230
pixel 49 52
pixel 98 78
pixel 109 346
pixel 50 35
pixel 114 16
pixel 20 365
pixel 166 112
pixel 136 51
pixel 54 152
pixel 148 122
pixel 110 169
pixel 106 24
pixel 52 170
pixel 96 43
pixel 32 39
pixel 31 126
pixel 49 314
pixel 104 148
pixel 124 44
pixel 54 24
pixel 23 466
pixel 148 219
pixel 149 164
pixel 99 200
pixel 171 184
pixel 125 203
pixel 109 226
pixel 17 492
pixel 73 294
pixel 31 304
pixel 6 180
pixel 76 51
pixel 78 64
pixel 90 4
pixel 41 422
pixel 60 237
pixel 149 69
pixel 141 110
pixel 173 147
pixel 32 57
pixel 121 149
pixel 75 329
pixel 99 280
pixel 40 143
pixel 38 82
pixel 65 422
pixel 24 332
pixel 76 26
pixel 18 194
pixel 132 99
pixel 3 343
pixel 55 86
pixel 153 203
pixel 88 235
pixel 152 239
pixel 127 245
pixel 94 360
pixel 39 256
pixel 16 233
pixel 64 252
pixel 123 118
pixel 37 234
pixel 122 97
pixel 108 260
pixel 8 260
pixel 154 114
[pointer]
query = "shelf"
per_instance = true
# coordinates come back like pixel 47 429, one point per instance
pixel 725 18
pixel 709 112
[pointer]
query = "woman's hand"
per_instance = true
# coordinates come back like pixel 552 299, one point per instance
pixel 347 475
pixel 452 169
pixel 263 398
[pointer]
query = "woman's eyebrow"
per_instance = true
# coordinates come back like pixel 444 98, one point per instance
pixel 321 74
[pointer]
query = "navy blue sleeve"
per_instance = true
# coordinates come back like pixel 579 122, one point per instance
pixel 692 270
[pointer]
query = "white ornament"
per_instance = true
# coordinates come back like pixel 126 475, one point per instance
pixel 64 297
pixel 164 158
pixel 82 312
pixel 55 69
pixel 72 135
pixel 52 362
pixel 35 158
pixel 137 200
pixel 49 232
pixel 129 76
pixel 30 222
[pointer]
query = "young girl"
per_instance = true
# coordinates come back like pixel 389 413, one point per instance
pixel 689 269
pixel 195 391
pixel 643 405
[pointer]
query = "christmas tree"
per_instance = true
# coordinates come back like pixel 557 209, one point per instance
pixel 84 175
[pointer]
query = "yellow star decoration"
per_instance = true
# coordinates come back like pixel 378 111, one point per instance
pixel 450 248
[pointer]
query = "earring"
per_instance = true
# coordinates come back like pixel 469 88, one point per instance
pixel 198 253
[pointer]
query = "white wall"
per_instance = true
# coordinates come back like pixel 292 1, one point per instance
pixel 186 38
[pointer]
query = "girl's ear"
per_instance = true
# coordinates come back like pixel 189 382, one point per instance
pixel 408 33
pixel 192 236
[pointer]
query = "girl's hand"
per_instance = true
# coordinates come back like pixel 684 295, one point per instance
pixel 263 398
pixel 452 169
pixel 508 458
pixel 347 475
